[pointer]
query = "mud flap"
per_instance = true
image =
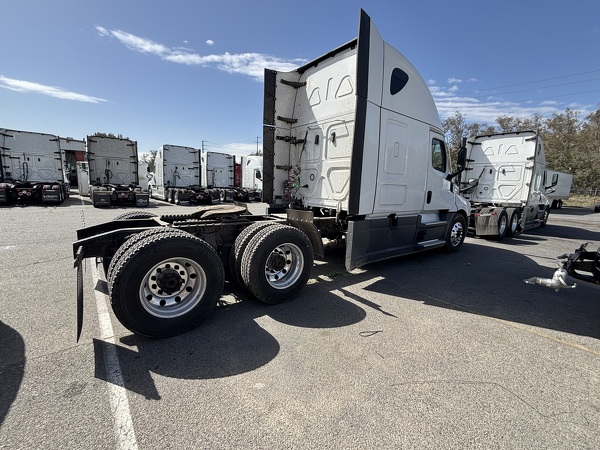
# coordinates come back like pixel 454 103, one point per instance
pixel 304 220
pixel 79 266
pixel 486 222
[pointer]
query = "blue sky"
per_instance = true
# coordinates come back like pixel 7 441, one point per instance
pixel 183 72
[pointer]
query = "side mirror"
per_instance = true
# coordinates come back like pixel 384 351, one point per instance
pixel 550 189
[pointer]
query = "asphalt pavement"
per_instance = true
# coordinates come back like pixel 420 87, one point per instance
pixel 433 350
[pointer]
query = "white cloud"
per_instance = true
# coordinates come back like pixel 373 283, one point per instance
pixel 210 42
pixel 449 101
pixel 29 86
pixel 250 64
pixel 134 42
pixel 237 149
pixel 454 80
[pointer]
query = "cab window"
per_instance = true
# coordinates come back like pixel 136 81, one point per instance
pixel 438 155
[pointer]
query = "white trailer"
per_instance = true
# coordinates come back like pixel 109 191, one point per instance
pixel 113 172
pixel 504 182
pixel 353 149
pixel 559 187
pixel 33 168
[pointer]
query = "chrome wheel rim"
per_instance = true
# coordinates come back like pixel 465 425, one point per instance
pixel 514 223
pixel 456 234
pixel 502 225
pixel 284 266
pixel 172 287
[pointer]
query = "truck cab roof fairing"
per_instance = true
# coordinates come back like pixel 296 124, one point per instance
pixel 384 79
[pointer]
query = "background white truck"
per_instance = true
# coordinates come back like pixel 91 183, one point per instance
pixel 113 172
pixel 177 176
pixel 218 172
pixel 189 175
pixel 250 175
pixel 560 187
pixel 353 150
pixel 503 179
pixel 33 168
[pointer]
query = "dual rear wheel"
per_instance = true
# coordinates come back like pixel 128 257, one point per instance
pixel 272 261
pixel 164 281
pixel 508 223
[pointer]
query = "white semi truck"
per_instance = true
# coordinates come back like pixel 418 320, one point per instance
pixel 188 175
pixel 353 149
pixel 560 187
pixel 177 176
pixel 504 180
pixel 33 168
pixel 218 172
pixel 251 176
pixel 113 172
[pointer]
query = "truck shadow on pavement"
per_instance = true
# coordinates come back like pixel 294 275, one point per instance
pixel 488 281
pixel 561 231
pixel 229 342
pixel 12 367
pixel 482 280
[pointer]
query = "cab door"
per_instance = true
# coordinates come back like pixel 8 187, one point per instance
pixel 438 190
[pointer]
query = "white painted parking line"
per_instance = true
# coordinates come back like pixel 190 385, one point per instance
pixel 124 432
pixel 119 405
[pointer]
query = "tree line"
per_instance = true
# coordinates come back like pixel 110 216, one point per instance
pixel 571 143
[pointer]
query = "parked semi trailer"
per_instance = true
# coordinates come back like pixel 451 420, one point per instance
pixel 113 172
pixel 504 180
pixel 33 168
pixel 353 150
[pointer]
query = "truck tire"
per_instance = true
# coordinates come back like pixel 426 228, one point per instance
pixel 277 263
pixel 166 284
pixel 129 243
pixel 456 234
pixel 513 224
pixel 239 246
pixel 135 215
pixel 176 197
pixel 502 224
pixel 545 218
